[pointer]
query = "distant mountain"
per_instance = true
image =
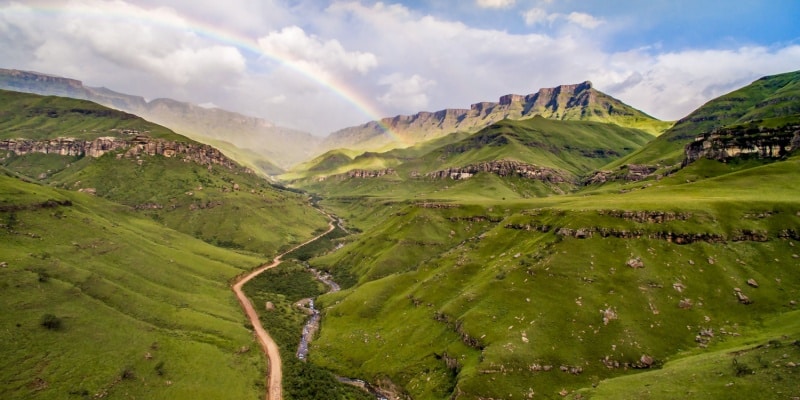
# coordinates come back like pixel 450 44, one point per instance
pixel 770 102
pixel 566 102
pixel 279 145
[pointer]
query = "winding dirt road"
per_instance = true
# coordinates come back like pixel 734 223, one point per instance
pixel 275 373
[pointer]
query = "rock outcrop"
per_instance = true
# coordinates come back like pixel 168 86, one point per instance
pixel 505 168
pixel 366 173
pixel 566 102
pixel 724 144
pixel 139 145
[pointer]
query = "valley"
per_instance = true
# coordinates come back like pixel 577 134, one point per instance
pixel 556 245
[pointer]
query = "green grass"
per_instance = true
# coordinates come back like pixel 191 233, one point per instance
pixel 502 301
pixel 123 287
pixel 37 117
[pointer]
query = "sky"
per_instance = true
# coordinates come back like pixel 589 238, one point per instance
pixel 319 66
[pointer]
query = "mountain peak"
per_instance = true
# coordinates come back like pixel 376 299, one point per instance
pixel 578 101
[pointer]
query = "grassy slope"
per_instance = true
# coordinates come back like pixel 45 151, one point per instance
pixel 31 116
pixel 123 287
pixel 574 147
pixel 769 97
pixel 527 297
pixel 189 197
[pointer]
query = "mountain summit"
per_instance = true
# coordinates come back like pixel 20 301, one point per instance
pixel 565 102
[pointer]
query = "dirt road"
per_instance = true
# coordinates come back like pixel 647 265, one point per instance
pixel 274 388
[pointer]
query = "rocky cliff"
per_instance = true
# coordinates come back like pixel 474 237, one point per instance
pixel 505 168
pixel 762 142
pixel 134 147
pixel 566 102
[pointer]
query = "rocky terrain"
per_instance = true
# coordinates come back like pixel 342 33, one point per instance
pixel 566 102
pixel 504 168
pixel 760 142
pixel 134 147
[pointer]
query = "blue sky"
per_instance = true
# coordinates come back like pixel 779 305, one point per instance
pixel 319 66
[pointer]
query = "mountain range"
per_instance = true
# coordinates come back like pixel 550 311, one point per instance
pixel 270 148
pixel 554 245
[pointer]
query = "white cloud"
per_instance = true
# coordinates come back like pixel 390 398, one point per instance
pixel 294 45
pixel 406 93
pixel 584 20
pixel 355 55
pixel 535 16
pixel 539 16
pixel 495 3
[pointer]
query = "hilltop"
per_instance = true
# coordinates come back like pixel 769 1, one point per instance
pixel 580 102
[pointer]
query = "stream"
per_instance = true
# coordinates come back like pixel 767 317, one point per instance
pixel 311 327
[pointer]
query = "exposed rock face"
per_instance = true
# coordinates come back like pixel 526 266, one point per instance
pixel 138 146
pixel 647 217
pixel 627 173
pixel 503 168
pixel 672 237
pixel 64 146
pixel 364 173
pixel 725 144
pixel 568 102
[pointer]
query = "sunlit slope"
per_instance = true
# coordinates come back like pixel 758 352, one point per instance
pixel 567 150
pixel 480 299
pixel 201 192
pixel 144 311
pixel 771 97
pixel 31 116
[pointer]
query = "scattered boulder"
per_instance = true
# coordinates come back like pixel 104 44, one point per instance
pixel 741 296
pixel 678 286
pixel 646 360
pixel 269 306
pixel 685 304
pixel 635 263
pixel 711 261
pixel 609 314
pixel 752 282
pixel 3 264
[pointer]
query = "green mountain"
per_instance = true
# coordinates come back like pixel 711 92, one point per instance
pixel 769 102
pixel 271 147
pixel 580 102
pixel 492 287
pixel 188 186
pixel 530 157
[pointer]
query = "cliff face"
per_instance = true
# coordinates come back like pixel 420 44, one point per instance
pixel 761 142
pixel 138 145
pixel 504 168
pixel 566 102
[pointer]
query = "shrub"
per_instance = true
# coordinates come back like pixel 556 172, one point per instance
pixel 159 368
pixel 51 322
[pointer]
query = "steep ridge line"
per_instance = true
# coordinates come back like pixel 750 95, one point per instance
pixel 275 372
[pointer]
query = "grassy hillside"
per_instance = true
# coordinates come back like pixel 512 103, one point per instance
pixel 771 97
pixel 136 310
pixel 37 117
pixel 224 206
pixel 479 298
pixel 574 148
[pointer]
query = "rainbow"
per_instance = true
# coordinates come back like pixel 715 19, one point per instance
pixel 170 20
